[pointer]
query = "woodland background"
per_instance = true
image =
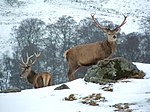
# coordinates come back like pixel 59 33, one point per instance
pixel 52 39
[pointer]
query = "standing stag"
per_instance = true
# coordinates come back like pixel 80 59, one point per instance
pixel 89 54
pixel 38 80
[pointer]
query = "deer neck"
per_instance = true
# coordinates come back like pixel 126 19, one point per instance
pixel 109 47
pixel 112 45
pixel 31 77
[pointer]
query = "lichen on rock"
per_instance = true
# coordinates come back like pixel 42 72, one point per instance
pixel 111 70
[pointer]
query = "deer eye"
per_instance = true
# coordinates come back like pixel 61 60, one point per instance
pixel 24 70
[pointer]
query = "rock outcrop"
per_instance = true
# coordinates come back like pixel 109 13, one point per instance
pixel 111 70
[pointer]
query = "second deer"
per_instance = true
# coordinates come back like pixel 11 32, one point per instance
pixel 88 54
pixel 38 80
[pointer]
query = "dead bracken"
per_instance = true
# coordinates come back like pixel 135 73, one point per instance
pixel 122 107
pixel 93 99
pixel 71 97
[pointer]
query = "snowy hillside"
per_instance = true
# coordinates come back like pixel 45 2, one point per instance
pixel 132 95
pixel 50 11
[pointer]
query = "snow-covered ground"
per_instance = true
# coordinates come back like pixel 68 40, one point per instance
pixel 50 11
pixel 135 92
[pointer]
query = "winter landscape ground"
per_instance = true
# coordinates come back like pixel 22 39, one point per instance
pixel 130 94
pixel 51 11
pixel 134 93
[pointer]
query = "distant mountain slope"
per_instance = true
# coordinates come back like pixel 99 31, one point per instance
pixel 53 9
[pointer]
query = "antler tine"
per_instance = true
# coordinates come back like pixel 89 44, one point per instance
pixel 97 24
pixel 28 58
pixel 36 56
pixel 124 21
pixel 24 64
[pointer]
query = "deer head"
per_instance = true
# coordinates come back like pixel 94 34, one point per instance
pixel 27 65
pixel 111 34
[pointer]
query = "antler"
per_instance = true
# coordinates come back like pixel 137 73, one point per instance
pixel 124 21
pixel 97 24
pixel 25 64
pixel 106 29
pixel 36 56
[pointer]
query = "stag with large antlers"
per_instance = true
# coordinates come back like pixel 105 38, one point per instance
pixel 38 80
pixel 89 54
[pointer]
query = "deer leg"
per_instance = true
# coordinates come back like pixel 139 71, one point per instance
pixel 72 71
pixel 45 79
pixel 39 82
pixel 71 75
pixel 35 87
pixel 50 81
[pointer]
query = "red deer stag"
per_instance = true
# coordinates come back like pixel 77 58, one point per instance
pixel 38 80
pixel 89 54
